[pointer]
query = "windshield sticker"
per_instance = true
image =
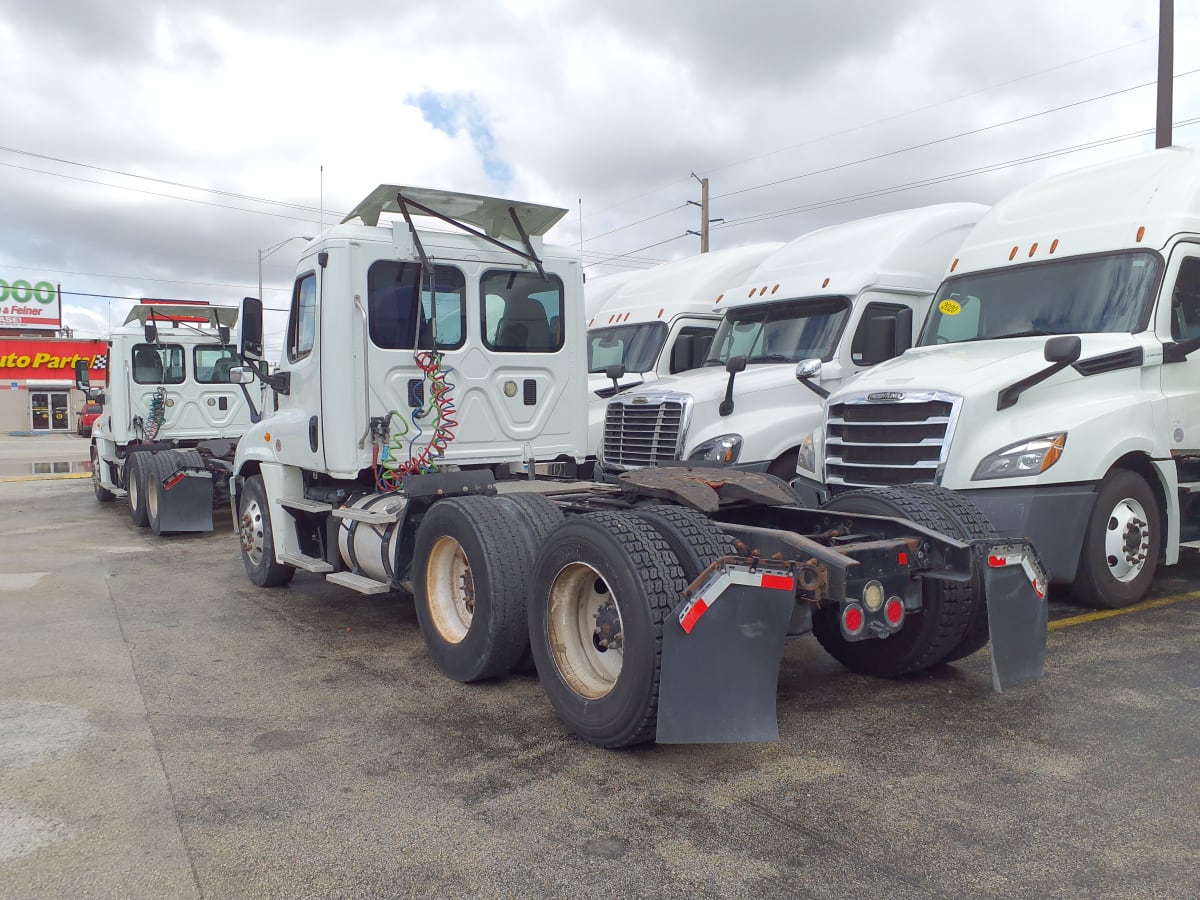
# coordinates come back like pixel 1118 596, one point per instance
pixel 950 307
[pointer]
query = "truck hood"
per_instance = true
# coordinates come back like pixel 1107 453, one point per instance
pixel 974 369
pixel 707 386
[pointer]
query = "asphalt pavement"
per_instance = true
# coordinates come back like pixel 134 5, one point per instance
pixel 169 730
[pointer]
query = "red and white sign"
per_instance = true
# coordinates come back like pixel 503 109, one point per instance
pixel 29 304
pixel 23 359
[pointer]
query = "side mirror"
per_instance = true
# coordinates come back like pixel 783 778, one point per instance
pixel 83 378
pixel 808 368
pixel 806 371
pixel 151 333
pixel 1063 348
pixel 736 364
pixel 250 339
pixel 615 372
pixel 904 329
pixel 683 354
pixel 241 375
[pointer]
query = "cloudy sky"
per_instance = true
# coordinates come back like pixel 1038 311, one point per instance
pixel 152 149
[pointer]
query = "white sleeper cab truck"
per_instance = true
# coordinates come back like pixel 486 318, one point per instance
pixel 419 365
pixel 598 289
pixel 1057 378
pixel 815 312
pixel 659 323
pixel 171 417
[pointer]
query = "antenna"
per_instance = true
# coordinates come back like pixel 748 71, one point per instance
pixel 322 190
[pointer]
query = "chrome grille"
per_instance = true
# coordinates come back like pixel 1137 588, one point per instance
pixel 894 441
pixel 645 432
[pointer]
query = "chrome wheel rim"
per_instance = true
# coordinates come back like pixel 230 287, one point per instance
pixel 253 531
pixel 1126 540
pixel 585 630
pixel 450 589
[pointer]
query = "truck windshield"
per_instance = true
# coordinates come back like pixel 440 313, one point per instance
pixel 787 331
pixel 636 347
pixel 1111 293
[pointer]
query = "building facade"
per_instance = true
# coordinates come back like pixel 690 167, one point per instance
pixel 37 377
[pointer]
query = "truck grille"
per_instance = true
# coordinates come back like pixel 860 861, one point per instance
pixel 644 430
pixel 894 441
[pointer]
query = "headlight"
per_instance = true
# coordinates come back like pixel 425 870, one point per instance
pixel 806 457
pixel 723 449
pixel 1030 457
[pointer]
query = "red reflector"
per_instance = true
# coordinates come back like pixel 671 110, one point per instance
pixel 893 611
pixel 902 558
pixel 698 609
pixel 172 481
pixel 853 619
pixel 779 582
pixel 997 562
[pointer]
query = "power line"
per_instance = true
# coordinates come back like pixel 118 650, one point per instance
pixel 638 250
pixel 942 140
pixel 940 179
pixel 883 120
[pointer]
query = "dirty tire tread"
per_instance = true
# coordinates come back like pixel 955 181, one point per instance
pixel 506 565
pixel 658 570
pixel 693 537
pixel 103 494
pixel 156 469
pixel 135 485
pixel 540 517
pixel 971 524
pixel 956 604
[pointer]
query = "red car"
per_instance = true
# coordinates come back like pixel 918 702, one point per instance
pixel 87 415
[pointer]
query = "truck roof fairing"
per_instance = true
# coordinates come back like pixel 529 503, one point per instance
pixel 176 311
pixel 489 214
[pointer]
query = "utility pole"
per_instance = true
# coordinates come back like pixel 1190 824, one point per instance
pixel 705 221
pixel 1166 71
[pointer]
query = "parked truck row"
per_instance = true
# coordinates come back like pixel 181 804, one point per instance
pixel 785 446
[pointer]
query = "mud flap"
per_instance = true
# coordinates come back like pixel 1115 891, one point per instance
pixel 1014 583
pixel 185 502
pixel 720 661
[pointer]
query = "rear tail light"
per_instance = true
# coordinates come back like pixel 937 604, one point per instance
pixel 893 611
pixel 853 619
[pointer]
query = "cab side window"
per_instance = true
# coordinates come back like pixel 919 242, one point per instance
pixel 302 320
pixel 702 337
pixel 1185 301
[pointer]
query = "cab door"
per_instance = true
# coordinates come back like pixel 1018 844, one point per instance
pixel 1178 321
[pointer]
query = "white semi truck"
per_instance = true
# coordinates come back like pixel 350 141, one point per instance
pixel 821 309
pixel 171 417
pixel 418 365
pixel 1056 381
pixel 660 322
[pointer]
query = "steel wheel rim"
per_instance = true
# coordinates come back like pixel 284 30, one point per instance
pixel 96 485
pixel 135 494
pixel 579 599
pixel 1126 540
pixel 450 589
pixel 152 501
pixel 253 538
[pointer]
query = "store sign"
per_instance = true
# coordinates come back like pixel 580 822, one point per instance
pixel 29 304
pixel 34 360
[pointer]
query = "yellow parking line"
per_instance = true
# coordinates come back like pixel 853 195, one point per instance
pixel 1109 613
pixel 45 477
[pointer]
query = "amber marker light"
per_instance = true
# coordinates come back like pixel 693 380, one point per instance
pixel 1033 248
pixel 1013 254
pixel 1141 233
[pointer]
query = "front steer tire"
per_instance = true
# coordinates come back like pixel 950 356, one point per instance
pixel 928 637
pixel 470 578
pixel 1125 523
pixel 600 577
pixel 258 542
pixel 103 494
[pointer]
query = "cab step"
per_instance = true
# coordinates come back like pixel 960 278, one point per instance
pixel 303 504
pixel 307 563
pixel 359 583
pixel 369 516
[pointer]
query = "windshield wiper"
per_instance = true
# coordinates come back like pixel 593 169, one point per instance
pixel 771 357
pixel 1032 332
